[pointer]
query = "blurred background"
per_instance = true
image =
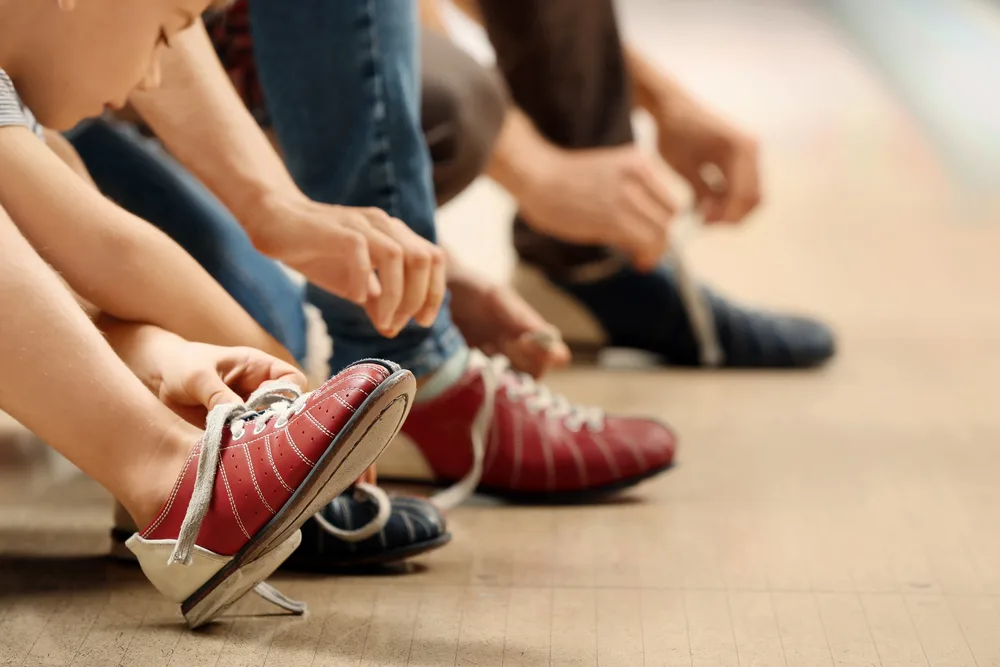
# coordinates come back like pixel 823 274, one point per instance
pixel 864 494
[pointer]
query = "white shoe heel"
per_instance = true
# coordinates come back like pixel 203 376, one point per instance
pixel 180 582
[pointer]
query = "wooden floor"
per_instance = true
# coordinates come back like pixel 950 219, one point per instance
pixel 849 517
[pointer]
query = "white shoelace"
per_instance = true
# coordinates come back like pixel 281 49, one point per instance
pixel 695 302
pixel 278 400
pixel 362 491
pixel 537 398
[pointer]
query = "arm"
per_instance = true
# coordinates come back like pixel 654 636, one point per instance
pixel 114 260
pixel 200 118
pixel 197 114
pixel 690 138
pixel 143 347
pixel 192 378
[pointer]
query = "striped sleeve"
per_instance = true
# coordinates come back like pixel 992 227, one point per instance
pixel 12 112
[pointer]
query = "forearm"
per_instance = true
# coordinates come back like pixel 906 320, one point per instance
pixel 120 263
pixel 520 152
pixel 143 347
pixel 522 157
pixel 199 117
pixel 652 89
pixel 64 150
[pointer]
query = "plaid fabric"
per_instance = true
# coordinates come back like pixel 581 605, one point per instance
pixel 230 33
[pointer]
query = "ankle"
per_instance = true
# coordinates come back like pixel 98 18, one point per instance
pixel 150 483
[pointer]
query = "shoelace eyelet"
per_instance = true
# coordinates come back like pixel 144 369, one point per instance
pixel 259 425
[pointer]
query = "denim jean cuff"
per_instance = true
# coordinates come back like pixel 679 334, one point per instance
pixel 431 353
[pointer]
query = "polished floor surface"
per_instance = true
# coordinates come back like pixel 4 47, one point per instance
pixel 847 517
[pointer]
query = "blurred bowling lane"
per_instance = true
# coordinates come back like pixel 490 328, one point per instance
pixel 867 216
pixel 867 221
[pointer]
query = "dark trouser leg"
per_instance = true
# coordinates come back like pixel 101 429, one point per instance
pixel 565 68
pixel 462 111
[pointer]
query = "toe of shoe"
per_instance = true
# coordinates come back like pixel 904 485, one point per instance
pixel 414 525
pixel 414 521
pixel 341 396
pixel 652 442
pixel 809 342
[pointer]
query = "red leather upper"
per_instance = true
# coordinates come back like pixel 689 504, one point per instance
pixel 257 474
pixel 531 452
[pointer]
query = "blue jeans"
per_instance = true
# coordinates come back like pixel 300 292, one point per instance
pixel 342 88
pixel 137 174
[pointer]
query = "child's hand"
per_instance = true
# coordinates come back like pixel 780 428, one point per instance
pixel 196 377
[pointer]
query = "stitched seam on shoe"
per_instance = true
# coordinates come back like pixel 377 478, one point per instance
pixel 288 434
pixel 173 493
pixel 550 463
pixel 636 452
pixel 323 391
pixel 335 395
pixel 253 476
pixel 232 502
pixel 343 402
pixel 603 446
pixel 242 443
pixel 491 452
pixel 422 520
pixel 371 367
pixel 581 466
pixel 274 466
pixel 409 527
pixel 515 473
pixel 322 428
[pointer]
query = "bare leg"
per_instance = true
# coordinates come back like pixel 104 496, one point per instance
pixel 61 379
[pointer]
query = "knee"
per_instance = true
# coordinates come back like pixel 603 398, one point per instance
pixel 464 105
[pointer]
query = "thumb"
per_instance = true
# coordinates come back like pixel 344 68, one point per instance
pixel 209 390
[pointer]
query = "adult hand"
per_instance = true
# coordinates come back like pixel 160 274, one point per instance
pixel 719 161
pixel 340 249
pixel 606 196
pixel 496 319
